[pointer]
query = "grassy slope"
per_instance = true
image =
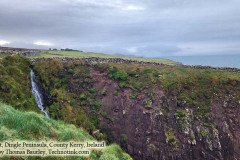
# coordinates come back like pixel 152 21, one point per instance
pixel 51 54
pixel 2 55
pixel 16 125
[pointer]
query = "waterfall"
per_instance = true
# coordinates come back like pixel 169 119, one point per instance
pixel 37 94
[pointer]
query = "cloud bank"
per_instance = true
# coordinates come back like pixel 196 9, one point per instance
pixel 151 28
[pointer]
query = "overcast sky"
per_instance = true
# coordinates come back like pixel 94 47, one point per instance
pixel 152 28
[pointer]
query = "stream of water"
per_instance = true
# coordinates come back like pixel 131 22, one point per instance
pixel 37 94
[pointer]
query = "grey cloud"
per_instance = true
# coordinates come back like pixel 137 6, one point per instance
pixel 152 27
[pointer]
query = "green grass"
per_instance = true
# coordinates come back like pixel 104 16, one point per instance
pixel 15 83
pixel 3 54
pixel 171 138
pixel 76 54
pixel 17 125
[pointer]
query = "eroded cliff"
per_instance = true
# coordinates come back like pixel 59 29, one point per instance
pixel 153 111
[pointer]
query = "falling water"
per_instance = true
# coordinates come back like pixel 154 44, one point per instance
pixel 37 94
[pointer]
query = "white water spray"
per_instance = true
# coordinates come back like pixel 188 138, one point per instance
pixel 37 94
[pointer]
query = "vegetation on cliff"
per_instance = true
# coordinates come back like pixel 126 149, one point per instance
pixel 70 86
pixel 15 83
pixel 106 95
pixel 67 103
pixel 192 87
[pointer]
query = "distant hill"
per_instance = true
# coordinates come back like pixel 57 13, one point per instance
pixel 77 54
pixel 35 53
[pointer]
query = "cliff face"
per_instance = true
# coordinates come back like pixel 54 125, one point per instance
pixel 153 112
pixel 161 132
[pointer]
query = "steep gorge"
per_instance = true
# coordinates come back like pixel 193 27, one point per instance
pixel 16 81
pixel 153 112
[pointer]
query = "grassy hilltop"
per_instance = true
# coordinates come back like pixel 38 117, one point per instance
pixel 78 54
